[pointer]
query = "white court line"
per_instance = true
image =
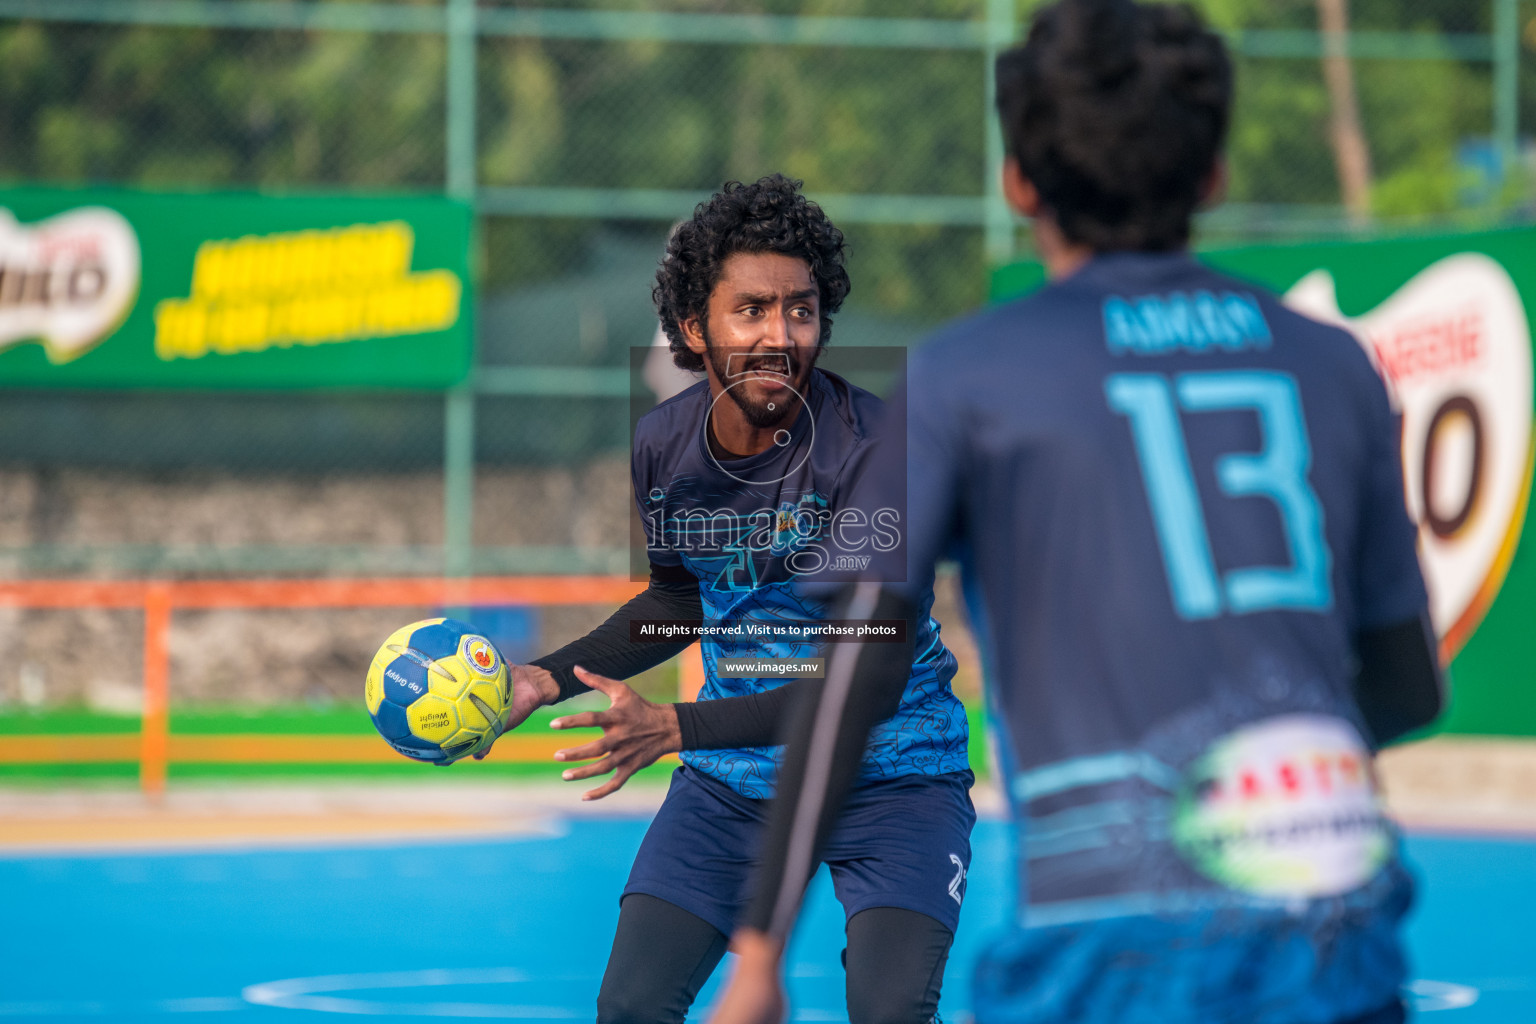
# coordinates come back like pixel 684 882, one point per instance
pixel 1428 996
pixel 1425 996
pixel 202 1004
pixel 209 1004
pixel 52 1008
pixel 303 994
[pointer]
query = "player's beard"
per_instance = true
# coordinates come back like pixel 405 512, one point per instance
pixel 756 409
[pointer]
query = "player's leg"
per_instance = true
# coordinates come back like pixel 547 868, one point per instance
pixel 680 902
pixel 898 858
pixel 895 964
pixel 1392 1013
pixel 661 957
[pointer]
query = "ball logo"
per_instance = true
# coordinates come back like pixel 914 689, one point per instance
pixel 1286 807
pixel 409 684
pixel 481 656
pixel 68 281
pixel 1455 348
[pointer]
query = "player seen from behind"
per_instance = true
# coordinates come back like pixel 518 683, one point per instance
pixel 747 483
pixel 1178 509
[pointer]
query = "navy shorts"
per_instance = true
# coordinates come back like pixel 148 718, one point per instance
pixel 902 842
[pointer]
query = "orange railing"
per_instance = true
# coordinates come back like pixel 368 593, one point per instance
pixel 160 599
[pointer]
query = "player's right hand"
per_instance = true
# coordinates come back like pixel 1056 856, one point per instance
pixel 755 993
pixel 635 733
pixel 532 688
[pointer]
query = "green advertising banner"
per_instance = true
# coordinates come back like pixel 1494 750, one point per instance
pixel 120 289
pixel 1446 320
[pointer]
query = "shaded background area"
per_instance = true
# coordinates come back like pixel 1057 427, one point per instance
pixel 580 131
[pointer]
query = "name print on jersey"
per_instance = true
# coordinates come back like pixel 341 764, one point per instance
pixel 1193 322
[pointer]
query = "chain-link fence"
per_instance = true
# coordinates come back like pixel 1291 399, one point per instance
pixel 580 130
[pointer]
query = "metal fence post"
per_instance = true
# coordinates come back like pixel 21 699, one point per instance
pixel 154 729
pixel 1506 79
pixel 459 403
pixel 459 478
pixel 462 28
pixel 999 220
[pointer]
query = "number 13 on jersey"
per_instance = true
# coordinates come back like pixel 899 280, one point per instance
pixel 1278 472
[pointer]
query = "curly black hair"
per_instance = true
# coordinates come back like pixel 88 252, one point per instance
pixel 769 215
pixel 1116 112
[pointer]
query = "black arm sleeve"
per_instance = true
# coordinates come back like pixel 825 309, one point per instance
pixel 828 729
pixel 673 593
pixel 751 720
pixel 1399 687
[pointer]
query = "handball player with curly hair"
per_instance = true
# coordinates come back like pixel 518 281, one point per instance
pixel 1179 515
pixel 747 483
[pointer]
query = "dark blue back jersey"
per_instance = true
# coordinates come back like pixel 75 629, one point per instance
pixel 757 532
pixel 1180 502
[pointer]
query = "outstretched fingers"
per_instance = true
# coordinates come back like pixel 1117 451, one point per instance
pixel 582 720
pixel 587 771
pixel 615 747
pixel 611 688
pixel 611 786
pixel 585 752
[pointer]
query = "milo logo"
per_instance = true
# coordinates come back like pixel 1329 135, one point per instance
pixel 68 281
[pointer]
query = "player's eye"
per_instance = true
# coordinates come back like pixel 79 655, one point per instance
pixel 752 310
pixel 801 312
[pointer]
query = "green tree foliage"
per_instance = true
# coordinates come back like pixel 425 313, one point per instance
pixel 1416 113
pixel 201 107
pixel 177 107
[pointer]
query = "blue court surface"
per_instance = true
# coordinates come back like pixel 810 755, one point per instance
pixel 520 929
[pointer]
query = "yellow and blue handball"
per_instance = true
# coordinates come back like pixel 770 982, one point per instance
pixel 437 691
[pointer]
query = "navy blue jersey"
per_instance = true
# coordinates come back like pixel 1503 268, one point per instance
pixel 755 531
pixel 1179 501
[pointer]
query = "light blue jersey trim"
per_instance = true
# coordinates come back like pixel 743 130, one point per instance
pixel 1103 908
pixel 1088 828
pixel 1094 770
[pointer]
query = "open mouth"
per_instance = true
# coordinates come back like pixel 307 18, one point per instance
pixel 775 367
